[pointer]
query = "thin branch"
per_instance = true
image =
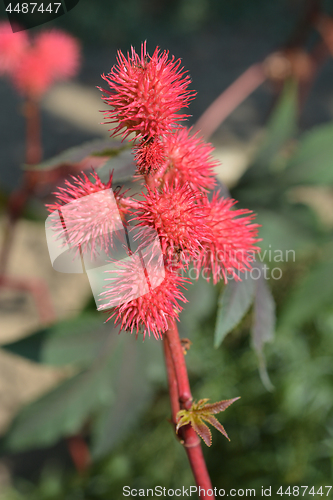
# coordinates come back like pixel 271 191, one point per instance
pixel 33 137
pixel 228 101
pixel 308 17
pixel 177 354
pixel 180 396
pixel 172 381
pixel 19 198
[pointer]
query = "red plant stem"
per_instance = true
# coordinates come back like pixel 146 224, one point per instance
pixel 177 354
pixel 16 204
pixel 20 196
pixel 180 396
pixel 33 138
pixel 228 101
pixel 79 452
pixel 130 202
pixel 150 181
pixel 172 381
pixel 195 456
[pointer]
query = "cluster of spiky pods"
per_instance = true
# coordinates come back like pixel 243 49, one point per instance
pixel 196 227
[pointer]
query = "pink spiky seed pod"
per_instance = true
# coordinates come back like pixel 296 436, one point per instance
pixel 189 159
pixel 87 214
pixel 157 299
pixel 12 48
pixel 62 50
pixel 146 92
pixel 149 156
pixel 233 240
pixel 178 218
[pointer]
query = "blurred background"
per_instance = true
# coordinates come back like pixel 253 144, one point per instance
pixel 77 425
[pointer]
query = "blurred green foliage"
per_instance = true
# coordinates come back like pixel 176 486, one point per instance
pixel 278 438
pixel 124 22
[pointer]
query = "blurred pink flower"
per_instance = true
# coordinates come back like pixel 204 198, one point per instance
pixel 12 47
pixel 34 66
pixel 32 75
pixel 61 50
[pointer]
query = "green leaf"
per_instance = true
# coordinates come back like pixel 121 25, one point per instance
pixel 280 232
pixel 234 303
pixel 282 124
pixel 264 315
pixel 263 328
pixel 122 165
pixel 314 292
pixel 79 340
pixel 258 192
pixel 202 429
pixel 111 393
pixel 281 127
pixel 261 184
pixel 313 161
pixel 236 300
pixel 97 147
pixel 64 410
pixel 201 412
pixel 201 296
pixel 141 368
